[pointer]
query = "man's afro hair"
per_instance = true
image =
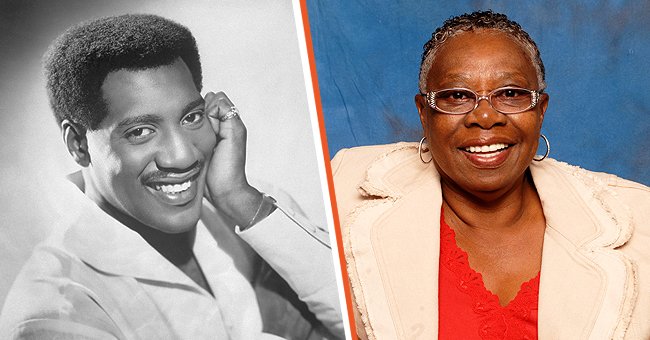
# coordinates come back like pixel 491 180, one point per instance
pixel 77 63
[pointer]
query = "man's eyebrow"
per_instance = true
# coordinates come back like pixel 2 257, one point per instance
pixel 147 118
pixel 193 104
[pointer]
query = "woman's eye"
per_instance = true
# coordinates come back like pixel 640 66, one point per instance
pixel 509 93
pixel 193 118
pixel 458 95
pixel 139 133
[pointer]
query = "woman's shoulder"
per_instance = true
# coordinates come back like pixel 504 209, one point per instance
pixel 621 199
pixel 354 167
pixel 612 182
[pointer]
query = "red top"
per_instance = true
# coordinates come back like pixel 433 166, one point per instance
pixel 467 310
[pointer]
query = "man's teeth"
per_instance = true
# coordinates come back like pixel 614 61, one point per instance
pixel 174 188
pixel 486 148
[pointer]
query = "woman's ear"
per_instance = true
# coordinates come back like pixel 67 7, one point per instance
pixel 74 137
pixel 421 104
pixel 543 105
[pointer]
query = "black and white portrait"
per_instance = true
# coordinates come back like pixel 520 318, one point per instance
pixel 163 174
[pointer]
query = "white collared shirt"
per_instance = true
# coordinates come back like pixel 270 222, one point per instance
pixel 96 278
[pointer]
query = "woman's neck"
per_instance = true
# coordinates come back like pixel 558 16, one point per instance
pixel 513 207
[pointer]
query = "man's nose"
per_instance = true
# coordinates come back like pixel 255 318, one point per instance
pixel 176 153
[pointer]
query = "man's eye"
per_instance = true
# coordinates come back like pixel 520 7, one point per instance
pixel 139 133
pixel 193 118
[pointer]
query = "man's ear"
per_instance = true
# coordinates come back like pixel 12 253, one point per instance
pixel 74 137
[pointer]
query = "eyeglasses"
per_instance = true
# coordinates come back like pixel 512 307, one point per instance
pixel 458 101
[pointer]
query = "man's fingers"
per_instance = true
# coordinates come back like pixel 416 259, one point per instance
pixel 219 106
pixel 211 104
pixel 211 110
pixel 224 116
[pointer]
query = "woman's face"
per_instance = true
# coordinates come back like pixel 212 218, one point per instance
pixel 482 61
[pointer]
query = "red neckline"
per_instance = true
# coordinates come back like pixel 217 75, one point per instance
pixel 457 261
pixel 485 303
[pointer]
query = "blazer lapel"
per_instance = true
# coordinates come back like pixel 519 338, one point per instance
pixel 396 250
pixel 586 285
pixel 408 251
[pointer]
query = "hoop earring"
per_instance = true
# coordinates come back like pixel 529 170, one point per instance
pixel 548 149
pixel 421 149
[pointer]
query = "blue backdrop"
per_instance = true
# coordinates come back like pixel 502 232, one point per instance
pixel 596 53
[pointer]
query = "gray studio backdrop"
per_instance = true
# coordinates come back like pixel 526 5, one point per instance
pixel 248 49
pixel 596 53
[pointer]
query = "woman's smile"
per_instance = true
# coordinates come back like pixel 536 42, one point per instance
pixel 483 150
pixel 487 156
pixel 487 152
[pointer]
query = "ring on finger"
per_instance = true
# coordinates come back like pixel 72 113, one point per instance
pixel 232 113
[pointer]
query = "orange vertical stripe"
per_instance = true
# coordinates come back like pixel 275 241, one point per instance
pixel 328 167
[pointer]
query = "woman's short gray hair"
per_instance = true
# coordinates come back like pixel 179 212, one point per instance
pixel 479 20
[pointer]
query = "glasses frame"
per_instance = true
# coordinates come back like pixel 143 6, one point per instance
pixel 431 99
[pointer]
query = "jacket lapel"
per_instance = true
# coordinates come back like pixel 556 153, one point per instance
pixel 586 285
pixel 396 250
pixel 408 251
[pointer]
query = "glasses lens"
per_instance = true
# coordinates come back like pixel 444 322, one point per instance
pixel 511 100
pixel 454 100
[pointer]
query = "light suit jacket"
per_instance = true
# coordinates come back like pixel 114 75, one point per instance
pixel 595 275
pixel 94 278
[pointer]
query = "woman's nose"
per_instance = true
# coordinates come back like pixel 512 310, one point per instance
pixel 484 115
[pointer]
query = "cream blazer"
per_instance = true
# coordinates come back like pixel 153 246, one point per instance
pixel 595 275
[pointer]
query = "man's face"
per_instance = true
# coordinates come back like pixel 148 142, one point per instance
pixel 148 156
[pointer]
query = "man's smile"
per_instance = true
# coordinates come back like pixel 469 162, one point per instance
pixel 174 188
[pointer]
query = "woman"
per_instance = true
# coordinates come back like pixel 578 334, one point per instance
pixel 469 234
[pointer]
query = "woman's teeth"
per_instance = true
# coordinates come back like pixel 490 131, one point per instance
pixel 486 148
pixel 173 188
